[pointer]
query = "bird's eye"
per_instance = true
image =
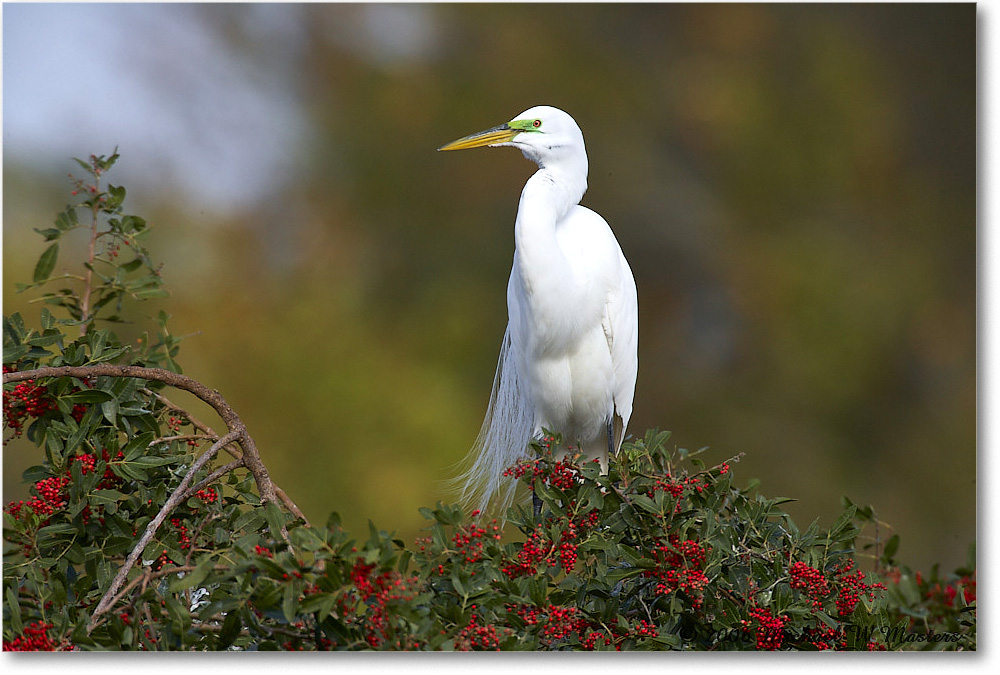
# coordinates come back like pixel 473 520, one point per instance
pixel 536 123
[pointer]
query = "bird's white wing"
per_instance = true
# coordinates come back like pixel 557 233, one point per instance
pixel 621 327
pixel 591 245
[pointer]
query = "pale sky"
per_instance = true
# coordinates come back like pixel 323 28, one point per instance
pixel 153 80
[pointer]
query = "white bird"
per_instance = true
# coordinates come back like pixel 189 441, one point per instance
pixel 568 359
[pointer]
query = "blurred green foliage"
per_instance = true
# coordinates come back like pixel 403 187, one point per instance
pixel 795 187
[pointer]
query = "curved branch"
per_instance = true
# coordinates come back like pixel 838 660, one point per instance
pixel 211 435
pixel 212 477
pixel 238 430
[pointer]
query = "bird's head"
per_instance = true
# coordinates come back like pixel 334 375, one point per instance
pixel 545 135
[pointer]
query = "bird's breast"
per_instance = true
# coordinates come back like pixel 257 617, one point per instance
pixel 571 390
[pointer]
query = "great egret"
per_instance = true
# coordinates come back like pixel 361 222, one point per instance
pixel 568 359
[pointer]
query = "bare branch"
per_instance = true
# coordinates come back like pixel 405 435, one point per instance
pixel 149 575
pixel 211 435
pixel 195 422
pixel 174 499
pixel 214 476
pixel 290 505
pixel 182 437
pixel 88 277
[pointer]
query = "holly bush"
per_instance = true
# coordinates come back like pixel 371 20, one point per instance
pixel 138 537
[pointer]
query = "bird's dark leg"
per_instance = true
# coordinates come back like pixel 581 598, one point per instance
pixel 536 504
pixel 611 444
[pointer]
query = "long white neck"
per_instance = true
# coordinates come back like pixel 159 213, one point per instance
pixel 545 200
pixel 545 271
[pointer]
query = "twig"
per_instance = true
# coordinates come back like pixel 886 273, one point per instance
pixel 182 437
pixel 197 533
pixel 291 506
pixel 270 630
pixel 149 575
pixel 207 430
pixel 88 277
pixel 194 421
pixel 212 477
pixel 174 499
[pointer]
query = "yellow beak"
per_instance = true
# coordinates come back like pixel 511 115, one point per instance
pixel 494 136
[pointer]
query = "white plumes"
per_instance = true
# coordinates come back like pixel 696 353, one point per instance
pixel 503 439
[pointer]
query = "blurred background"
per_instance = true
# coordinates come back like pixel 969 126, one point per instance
pixel 795 187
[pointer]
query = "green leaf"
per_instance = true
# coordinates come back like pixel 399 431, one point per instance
pixel 537 588
pixel 67 220
pixel 15 610
pixel 275 518
pixel 133 224
pixel 842 525
pixel 49 337
pixel 230 629
pixel 180 618
pixel 306 538
pixel 151 293
pixel 110 410
pixel 129 471
pixel 13 327
pixel 248 520
pixel 133 411
pixel 46 263
pixel 106 164
pixel 826 619
pixel 50 233
pixel 137 446
pixel 33 474
pixel 404 561
pixel 645 503
pixel 53 531
pixel 891 547
pixel 117 194
pixel 152 460
pixel 87 396
pixel 106 496
pixel 87 424
pixel 132 265
pixel 194 577
pixel 289 602
pixel 614 576
pixel 53 445
pixel 15 353
pixel 46 319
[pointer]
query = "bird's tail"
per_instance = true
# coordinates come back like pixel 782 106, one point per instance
pixel 503 439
